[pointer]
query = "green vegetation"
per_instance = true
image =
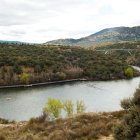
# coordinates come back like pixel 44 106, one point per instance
pixel 54 108
pixel 80 107
pixel 51 63
pixel 129 52
pixel 68 107
pixel 25 78
pixel 129 72
pixel 129 128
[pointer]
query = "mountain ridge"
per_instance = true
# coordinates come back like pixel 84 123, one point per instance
pixel 105 36
pixel 13 42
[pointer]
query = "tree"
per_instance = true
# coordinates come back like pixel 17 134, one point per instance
pixel 68 107
pixel 129 72
pixel 24 78
pixel 129 128
pixel 80 107
pixel 53 107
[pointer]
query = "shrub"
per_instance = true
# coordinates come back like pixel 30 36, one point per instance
pixel 53 107
pixel 126 103
pixel 68 107
pixel 129 128
pixel 129 72
pixel 80 107
pixel 24 78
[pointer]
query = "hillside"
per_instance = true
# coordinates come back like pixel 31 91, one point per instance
pixel 128 51
pixel 28 64
pixel 103 37
pixel 87 126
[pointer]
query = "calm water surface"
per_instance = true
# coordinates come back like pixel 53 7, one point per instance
pixel 22 104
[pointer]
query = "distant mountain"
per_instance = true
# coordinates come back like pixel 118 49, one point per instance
pixel 13 42
pixel 103 37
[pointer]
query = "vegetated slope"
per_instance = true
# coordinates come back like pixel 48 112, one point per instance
pixel 25 64
pixel 88 126
pixel 106 36
pixel 129 127
pixel 129 51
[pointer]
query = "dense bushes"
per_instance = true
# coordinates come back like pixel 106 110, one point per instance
pixel 87 126
pixel 52 63
pixel 130 54
pixel 129 128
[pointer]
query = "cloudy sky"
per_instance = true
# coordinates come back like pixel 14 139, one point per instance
pixel 43 20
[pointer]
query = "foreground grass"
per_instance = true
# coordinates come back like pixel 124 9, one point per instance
pixel 87 126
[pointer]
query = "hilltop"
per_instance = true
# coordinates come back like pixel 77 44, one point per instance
pixel 103 37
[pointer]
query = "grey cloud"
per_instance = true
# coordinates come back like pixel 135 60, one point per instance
pixel 17 12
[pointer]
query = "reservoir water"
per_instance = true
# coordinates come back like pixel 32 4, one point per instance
pixel 24 103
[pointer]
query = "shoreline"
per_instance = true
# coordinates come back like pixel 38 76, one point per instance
pixel 66 81
pixel 41 84
pixel 59 82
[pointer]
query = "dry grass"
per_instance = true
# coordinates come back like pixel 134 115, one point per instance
pixel 88 126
